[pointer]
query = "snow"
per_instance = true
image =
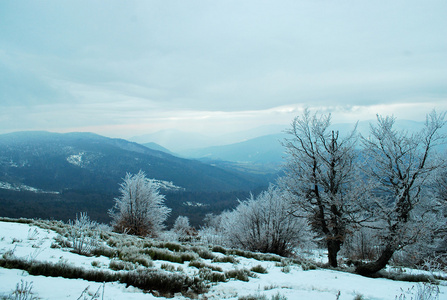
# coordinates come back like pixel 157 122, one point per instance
pixel 76 159
pixel 23 187
pixel 32 242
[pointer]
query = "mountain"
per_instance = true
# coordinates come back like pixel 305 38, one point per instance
pixel 52 161
pixel 180 141
pixel 52 175
pixel 259 155
pixel 155 146
pixel 175 140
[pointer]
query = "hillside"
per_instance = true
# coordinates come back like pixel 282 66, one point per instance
pixel 51 175
pixel 38 256
pixel 56 162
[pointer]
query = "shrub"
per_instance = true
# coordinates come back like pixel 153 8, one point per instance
pixel 255 255
pixel 96 264
pixel 200 265
pixel 203 253
pixel 146 279
pixel 24 291
pixel 264 224
pixel 187 256
pixel 167 267
pixel 278 296
pixel 118 265
pixel 149 279
pixel 239 274
pixel 104 251
pixel 219 249
pixel 164 254
pixel 211 276
pixel 82 236
pixel 308 266
pixel 226 259
pixel 131 254
pixel 259 269
pixel 172 246
pixel 253 297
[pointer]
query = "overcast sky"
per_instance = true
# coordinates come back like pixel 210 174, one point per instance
pixel 125 68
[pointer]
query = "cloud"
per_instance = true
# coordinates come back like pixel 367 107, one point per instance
pixel 147 65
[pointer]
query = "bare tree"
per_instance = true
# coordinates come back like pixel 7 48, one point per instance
pixel 264 224
pixel 402 166
pixel 140 209
pixel 322 174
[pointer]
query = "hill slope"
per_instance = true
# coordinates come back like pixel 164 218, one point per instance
pixel 56 162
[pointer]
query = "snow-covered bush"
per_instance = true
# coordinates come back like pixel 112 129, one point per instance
pixel 82 234
pixel 181 225
pixel 140 209
pixel 182 229
pixel 213 231
pixel 265 224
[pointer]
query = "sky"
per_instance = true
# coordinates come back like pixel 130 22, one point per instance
pixel 127 68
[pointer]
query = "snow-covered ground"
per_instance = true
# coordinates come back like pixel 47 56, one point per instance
pixel 34 243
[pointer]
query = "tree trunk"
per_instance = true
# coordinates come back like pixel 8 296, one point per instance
pixel 333 246
pixel 367 269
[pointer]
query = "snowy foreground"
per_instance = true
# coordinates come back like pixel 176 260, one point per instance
pixel 291 282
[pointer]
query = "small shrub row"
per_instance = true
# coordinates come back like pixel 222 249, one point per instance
pixel 118 265
pixel 168 267
pixel 203 253
pixel 255 255
pixel 277 296
pixel 105 251
pixel 225 259
pixel 151 279
pixel 171 246
pixel 200 264
pixel 211 276
pixel 132 255
pixel 167 255
pixel 219 249
pixel 239 274
pixel 259 269
pixel 146 279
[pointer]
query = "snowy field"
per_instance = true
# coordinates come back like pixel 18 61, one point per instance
pixel 280 282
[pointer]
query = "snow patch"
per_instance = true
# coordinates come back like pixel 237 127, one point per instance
pixel 23 187
pixel 76 159
pixel 168 185
pixel 194 204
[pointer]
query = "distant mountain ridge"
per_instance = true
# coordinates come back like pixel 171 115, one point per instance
pixel 53 161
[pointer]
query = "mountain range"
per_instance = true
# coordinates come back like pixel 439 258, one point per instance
pixel 56 174
pixel 53 175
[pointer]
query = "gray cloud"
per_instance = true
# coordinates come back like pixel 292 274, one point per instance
pixel 155 64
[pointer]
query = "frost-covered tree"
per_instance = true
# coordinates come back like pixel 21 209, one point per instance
pixel 181 225
pixel 323 176
pixel 264 224
pixel 402 165
pixel 182 229
pixel 140 209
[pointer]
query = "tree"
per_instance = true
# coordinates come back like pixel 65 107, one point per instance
pixel 264 224
pixel 322 174
pixel 140 209
pixel 402 166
